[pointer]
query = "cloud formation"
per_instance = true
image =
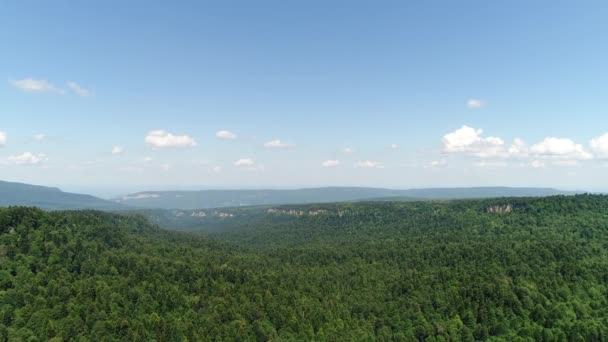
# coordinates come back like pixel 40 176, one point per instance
pixel 36 86
pixel 78 90
pixel 558 151
pixel 599 146
pixel 117 149
pixel 330 163
pixel 475 103
pixel 28 158
pixel 470 141
pixel 162 139
pixel 277 144
pixel 560 148
pixel 39 137
pixel 369 164
pixel 244 162
pixel 226 135
pixel 3 138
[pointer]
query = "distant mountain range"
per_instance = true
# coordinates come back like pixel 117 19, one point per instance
pixel 233 198
pixel 49 198
pixel 19 194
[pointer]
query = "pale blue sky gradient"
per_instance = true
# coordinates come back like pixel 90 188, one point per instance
pixel 319 75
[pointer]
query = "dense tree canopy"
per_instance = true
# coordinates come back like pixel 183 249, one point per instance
pixel 383 271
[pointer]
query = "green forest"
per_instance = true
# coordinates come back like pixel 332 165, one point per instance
pixel 505 269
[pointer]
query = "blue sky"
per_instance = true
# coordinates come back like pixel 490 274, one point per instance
pixel 428 93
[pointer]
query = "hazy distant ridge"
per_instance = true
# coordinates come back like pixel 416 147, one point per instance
pixel 231 198
pixel 20 194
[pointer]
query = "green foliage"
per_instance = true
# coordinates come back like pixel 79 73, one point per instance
pixel 384 271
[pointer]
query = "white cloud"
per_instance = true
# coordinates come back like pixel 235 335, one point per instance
pixel 226 135
pixel 39 137
pixel 80 91
pixel 277 144
pixel 161 139
pixel 28 158
pixel 461 140
pixel 348 150
pixel 519 149
pixel 599 145
pixel 117 149
pixel 560 148
pixel 146 159
pixel 475 103
pixel 330 163
pixel 3 138
pixel 537 164
pixel 165 167
pixel 393 146
pixel 469 140
pixel 248 164
pixel 36 86
pixel 216 169
pixel 369 164
pixel 244 162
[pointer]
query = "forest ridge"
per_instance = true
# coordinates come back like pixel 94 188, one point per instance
pixel 388 271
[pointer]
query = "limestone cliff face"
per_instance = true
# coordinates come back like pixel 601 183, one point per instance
pixel 504 208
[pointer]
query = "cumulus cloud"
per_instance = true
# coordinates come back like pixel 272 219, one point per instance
pixel 330 163
pixel 492 151
pixel 161 139
pixel 469 140
pixel 475 103
pixel 3 138
pixel 599 146
pixel 369 164
pixel 248 164
pixel 519 148
pixel 226 135
pixel 277 144
pixel 78 90
pixel 560 148
pixel 244 162
pixel 117 149
pixel 28 158
pixel 36 86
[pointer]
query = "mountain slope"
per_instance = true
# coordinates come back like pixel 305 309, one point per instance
pixel 19 194
pixel 232 198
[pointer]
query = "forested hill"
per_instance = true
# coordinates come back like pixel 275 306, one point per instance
pixel 15 194
pixel 232 198
pixel 502 269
